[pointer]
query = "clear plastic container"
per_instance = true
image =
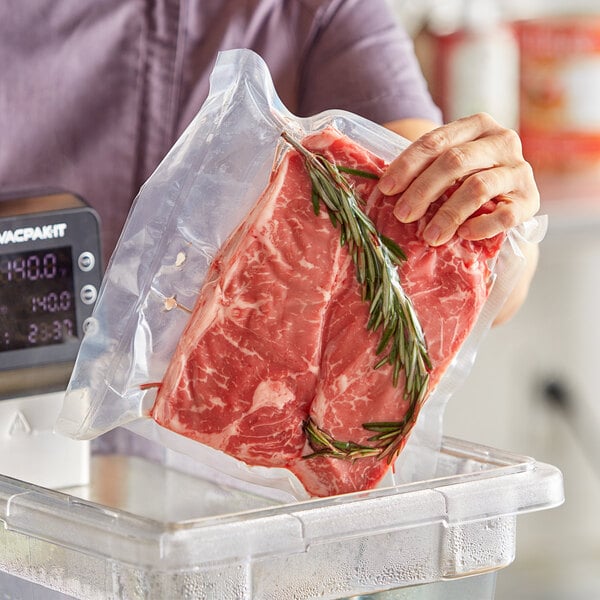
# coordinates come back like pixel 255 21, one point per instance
pixel 142 530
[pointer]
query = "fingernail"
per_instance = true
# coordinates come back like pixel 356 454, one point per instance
pixel 464 231
pixel 387 184
pixel 432 235
pixel 402 212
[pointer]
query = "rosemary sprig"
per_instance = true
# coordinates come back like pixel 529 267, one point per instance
pixel 376 258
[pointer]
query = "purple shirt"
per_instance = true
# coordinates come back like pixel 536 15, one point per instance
pixel 93 93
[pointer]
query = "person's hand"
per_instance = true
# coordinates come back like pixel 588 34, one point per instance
pixel 483 160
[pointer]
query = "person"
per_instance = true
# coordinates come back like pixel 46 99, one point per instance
pixel 93 94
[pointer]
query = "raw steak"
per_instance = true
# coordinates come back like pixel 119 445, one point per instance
pixel 279 333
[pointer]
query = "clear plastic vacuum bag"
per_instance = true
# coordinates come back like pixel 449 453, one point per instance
pixel 190 218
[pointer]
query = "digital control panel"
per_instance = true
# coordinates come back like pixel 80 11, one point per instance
pixel 50 274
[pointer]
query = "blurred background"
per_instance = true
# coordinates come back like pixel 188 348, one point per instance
pixel 535 66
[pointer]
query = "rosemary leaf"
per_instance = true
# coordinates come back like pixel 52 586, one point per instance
pixel 332 218
pixel 358 172
pixel 316 204
pixel 385 338
pixel 393 248
pixel 383 427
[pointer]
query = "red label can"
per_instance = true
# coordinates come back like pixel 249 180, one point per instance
pixel 559 112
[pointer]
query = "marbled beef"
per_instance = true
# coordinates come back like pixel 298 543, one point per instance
pixel 279 334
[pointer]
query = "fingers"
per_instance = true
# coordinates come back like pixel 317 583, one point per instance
pixel 450 168
pixel 515 199
pixel 480 161
pixel 419 155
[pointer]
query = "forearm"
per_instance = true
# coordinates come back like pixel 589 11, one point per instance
pixel 411 129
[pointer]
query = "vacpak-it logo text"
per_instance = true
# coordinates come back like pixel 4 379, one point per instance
pixel 31 234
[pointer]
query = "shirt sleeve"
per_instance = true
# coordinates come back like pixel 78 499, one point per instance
pixel 361 60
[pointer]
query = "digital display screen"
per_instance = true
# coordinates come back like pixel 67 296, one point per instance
pixel 37 299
